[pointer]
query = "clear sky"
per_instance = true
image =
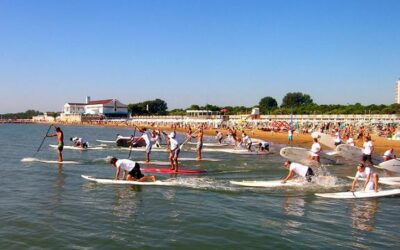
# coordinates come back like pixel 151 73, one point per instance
pixel 197 52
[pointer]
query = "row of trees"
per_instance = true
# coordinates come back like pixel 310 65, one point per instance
pixel 292 103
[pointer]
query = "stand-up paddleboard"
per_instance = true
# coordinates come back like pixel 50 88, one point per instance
pixel 391 165
pixel 353 153
pixel 47 161
pixel 233 151
pixel 210 144
pixel 269 184
pixel 78 148
pixel 170 171
pixel 303 155
pixel 124 182
pixel 392 181
pixel 202 159
pixel 324 139
pixel 158 163
pixel 360 194
pixel 105 141
pixel 142 149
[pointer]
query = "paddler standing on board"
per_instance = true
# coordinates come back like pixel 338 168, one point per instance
pixel 315 151
pixel 199 145
pixel 174 150
pixel 371 179
pixel 247 142
pixel 130 171
pixel 299 169
pixel 60 139
pixel 146 136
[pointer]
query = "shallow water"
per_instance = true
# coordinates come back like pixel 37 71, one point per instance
pixel 47 206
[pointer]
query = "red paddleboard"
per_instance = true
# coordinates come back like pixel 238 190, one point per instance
pixel 170 171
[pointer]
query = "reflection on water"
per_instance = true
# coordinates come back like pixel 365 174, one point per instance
pixel 293 207
pixel 125 204
pixel 363 214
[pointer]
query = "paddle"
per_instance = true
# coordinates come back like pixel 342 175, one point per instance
pixel 130 150
pixel 187 139
pixel 44 138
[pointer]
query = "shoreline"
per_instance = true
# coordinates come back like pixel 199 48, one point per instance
pixel 381 144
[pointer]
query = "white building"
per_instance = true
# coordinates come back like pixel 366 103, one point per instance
pixel 398 91
pixel 107 108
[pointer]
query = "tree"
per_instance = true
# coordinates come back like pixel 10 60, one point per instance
pixel 294 99
pixel 267 104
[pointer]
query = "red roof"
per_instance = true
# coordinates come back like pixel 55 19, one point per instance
pixel 100 102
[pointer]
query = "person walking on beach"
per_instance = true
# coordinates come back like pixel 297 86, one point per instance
pixel 299 169
pixel 315 151
pixel 368 150
pixel 290 135
pixel 60 139
pixel 371 179
pixel 130 171
pixel 146 136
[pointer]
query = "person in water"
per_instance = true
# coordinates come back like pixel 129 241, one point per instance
pixel 60 139
pixel 300 170
pixel 371 179
pixel 130 171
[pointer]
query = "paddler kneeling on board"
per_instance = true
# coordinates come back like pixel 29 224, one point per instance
pixel 371 179
pixel 299 169
pixel 130 171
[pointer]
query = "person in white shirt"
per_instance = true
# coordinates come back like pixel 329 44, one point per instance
pixel 263 146
pixel 338 140
pixel 147 137
pixel 371 179
pixel 350 141
pixel 389 155
pixel 299 169
pixel 247 141
pixel 368 150
pixel 79 142
pixel 174 150
pixel 130 170
pixel 219 137
pixel 315 150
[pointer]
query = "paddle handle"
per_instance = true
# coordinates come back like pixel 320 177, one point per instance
pixel 44 138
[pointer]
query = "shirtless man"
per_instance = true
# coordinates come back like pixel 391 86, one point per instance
pixel 130 171
pixel 371 179
pixel 60 139
pixel 199 146
pixel 315 151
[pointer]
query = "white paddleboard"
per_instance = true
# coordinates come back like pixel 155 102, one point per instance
pixel 324 139
pixel 392 181
pixel 124 182
pixel 78 148
pixel 233 151
pixel 158 163
pixel 360 194
pixel 210 144
pixel 47 161
pixel 391 165
pixel 269 184
pixel 142 149
pixel 303 155
pixel 353 153
pixel 105 141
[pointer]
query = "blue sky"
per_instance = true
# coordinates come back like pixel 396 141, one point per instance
pixel 197 52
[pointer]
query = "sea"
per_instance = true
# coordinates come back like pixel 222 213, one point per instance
pixel 50 206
